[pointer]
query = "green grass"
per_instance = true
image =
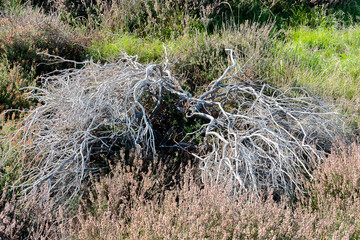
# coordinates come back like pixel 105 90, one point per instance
pixel 329 56
pixel 112 48
pixel 325 60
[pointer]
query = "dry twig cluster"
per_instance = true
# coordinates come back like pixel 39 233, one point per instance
pixel 254 136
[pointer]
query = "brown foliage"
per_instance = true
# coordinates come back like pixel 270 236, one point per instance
pixel 27 218
pixel 197 212
pixel 132 203
pixel 26 31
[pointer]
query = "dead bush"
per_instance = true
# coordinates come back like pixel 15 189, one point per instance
pixel 252 136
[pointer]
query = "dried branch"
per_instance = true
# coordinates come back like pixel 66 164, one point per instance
pixel 255 136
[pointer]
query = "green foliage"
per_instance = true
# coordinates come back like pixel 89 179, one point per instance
pixel 324 59
pixel 199 57
pixel 9 172
pixel 113 48
pixel 288 13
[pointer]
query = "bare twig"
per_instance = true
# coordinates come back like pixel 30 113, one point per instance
pixel 255 136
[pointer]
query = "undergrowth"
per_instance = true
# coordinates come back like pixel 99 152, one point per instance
pixel 131 203
pixel 308 43
pixel 324 60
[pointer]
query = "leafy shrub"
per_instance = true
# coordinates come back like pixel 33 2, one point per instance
pixel 289 13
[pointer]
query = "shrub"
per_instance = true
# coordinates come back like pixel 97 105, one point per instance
pixel 286 13
pixel 119 207
pixel 12 79
pixel 28 218
pixel 201 58
pixel 339 176
pixel 141 17
pixel 136 201
pixel 25 31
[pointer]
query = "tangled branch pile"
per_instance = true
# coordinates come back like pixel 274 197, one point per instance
pixel 253 135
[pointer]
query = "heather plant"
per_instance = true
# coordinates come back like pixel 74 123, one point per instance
pixel 12 80
pixel 26 31
pixel 339 176
pixel 135 200
pixel 25 35
pixel 27 218
pixel 141 17
pixel 175 17
pixel 120 207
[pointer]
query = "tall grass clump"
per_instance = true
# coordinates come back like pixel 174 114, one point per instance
pixel 112 48
pixel 197 58
pixel 201 58
pixel 324 60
